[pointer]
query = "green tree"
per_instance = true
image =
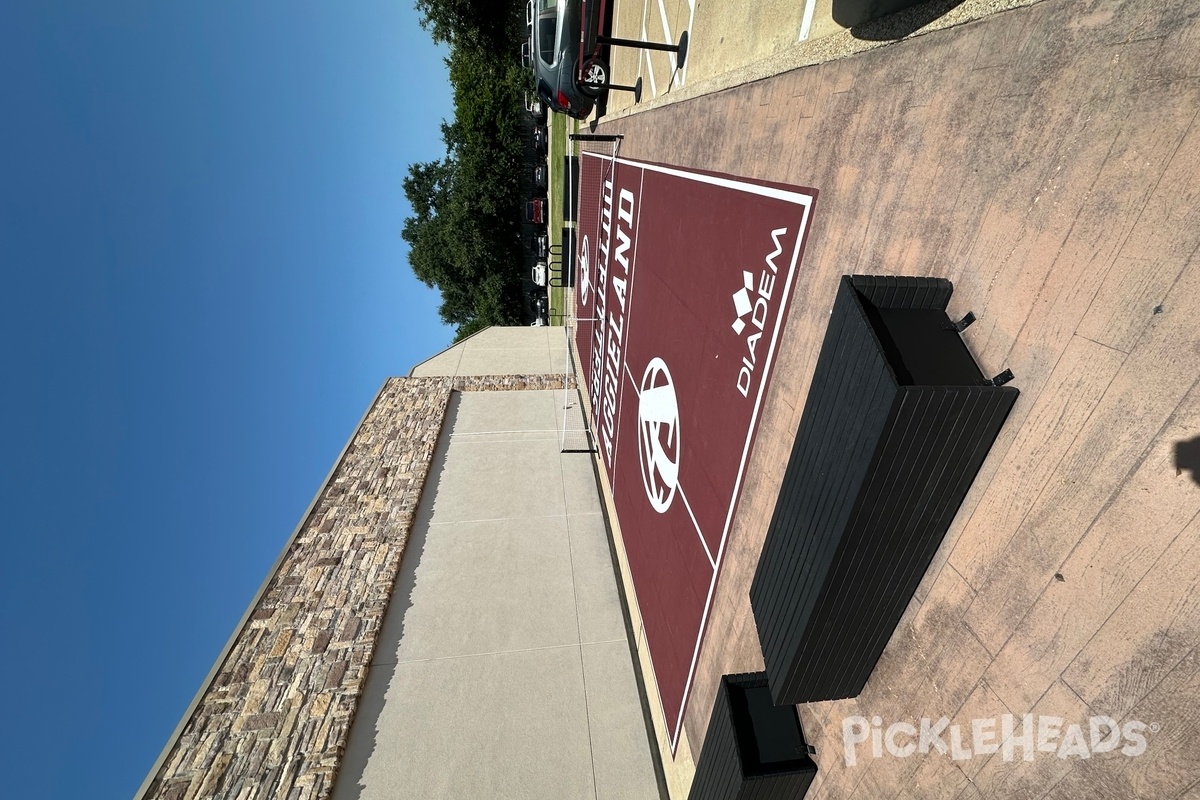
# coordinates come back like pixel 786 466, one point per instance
pixel 464 234
pixel 492 23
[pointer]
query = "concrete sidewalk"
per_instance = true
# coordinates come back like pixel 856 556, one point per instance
pixel 503 669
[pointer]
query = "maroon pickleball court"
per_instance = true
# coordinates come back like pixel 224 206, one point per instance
pixel 683 283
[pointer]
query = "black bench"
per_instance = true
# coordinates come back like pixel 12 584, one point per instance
pixel 897 423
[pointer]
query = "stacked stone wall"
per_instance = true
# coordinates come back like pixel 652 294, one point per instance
pixel 274 720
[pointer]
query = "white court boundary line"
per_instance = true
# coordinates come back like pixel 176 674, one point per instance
pixel 628 313
pixel 805 202
pixel 582 237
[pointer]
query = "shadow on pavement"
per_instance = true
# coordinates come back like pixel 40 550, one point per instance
pixel 1187 457
pixel 885 20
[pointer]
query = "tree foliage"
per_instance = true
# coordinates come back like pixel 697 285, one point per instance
pixel 493 24
pixel 464 234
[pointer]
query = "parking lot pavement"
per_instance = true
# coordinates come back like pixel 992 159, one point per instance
pixel 660 21
pixel 733 43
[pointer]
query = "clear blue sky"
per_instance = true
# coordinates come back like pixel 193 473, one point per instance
pixel 203 287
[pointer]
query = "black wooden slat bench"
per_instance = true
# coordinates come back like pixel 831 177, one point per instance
pixel 898 422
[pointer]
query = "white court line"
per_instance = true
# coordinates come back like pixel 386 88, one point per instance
pixel 679 488
pixel 712 561
pixel 632 379
pixel 605 175
pixel 806 23
pixel 798 198
pixel 630 275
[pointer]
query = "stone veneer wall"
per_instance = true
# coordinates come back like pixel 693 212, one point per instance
pixel 273 721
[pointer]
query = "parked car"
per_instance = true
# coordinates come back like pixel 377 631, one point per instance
pixel 540 304
pixel 539 245
pixel 539 274
pixel 533 103
pixel 539 139
pixel 535 211
pixel 568 65
pixel 539 177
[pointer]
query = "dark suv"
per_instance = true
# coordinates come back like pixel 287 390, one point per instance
pixel 569 68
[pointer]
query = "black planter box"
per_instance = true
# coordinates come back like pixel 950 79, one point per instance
pixel 754 749
pixel 897 423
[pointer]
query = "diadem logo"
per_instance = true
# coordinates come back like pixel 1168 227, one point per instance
pixel 741 302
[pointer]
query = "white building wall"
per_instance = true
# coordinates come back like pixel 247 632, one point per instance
pixel 504 668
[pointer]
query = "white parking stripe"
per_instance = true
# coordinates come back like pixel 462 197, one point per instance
pixel 806 23
pixel 640 52
pixel 649 64
pixel 645 11
pixel 662 12
pixel 688 60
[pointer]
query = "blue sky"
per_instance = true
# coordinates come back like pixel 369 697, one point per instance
pixel 203 287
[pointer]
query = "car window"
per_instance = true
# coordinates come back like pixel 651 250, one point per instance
pixel 547 30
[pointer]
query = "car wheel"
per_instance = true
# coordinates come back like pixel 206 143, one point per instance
pixel 595 76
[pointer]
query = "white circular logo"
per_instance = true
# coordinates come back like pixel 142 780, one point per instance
pixel 658 435
pixel 585 273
